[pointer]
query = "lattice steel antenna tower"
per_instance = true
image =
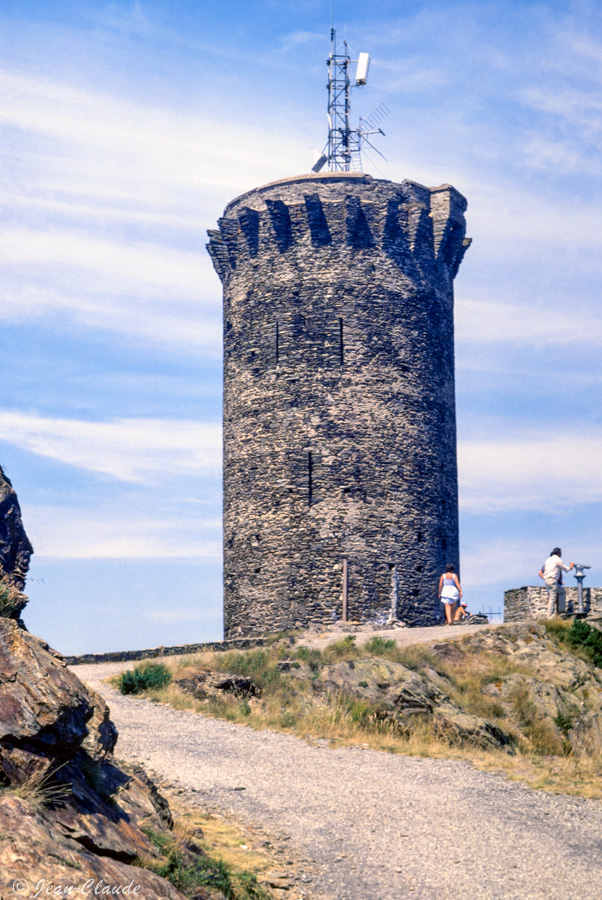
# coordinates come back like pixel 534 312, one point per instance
pixel 343 148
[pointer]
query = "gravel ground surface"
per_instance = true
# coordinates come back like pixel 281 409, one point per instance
pixel 403 636
pixel 371 826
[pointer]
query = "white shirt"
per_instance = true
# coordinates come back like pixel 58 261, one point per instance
pixel 553 568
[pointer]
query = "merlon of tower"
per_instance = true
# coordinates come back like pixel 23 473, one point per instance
pixel 430 219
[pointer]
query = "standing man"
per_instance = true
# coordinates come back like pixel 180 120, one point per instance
pixel 551 572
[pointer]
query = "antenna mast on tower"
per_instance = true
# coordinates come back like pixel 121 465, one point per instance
pixel 343 149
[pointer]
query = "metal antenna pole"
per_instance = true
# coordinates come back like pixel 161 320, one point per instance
pixel 344 145
pixel 339 107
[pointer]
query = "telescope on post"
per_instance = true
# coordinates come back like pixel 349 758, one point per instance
pixel 580 575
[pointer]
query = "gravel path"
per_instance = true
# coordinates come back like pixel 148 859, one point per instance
pixel 373 826
pixel 402 636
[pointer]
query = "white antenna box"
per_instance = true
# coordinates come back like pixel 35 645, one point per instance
pixel 363 64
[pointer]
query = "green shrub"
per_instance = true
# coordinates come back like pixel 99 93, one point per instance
pixel 564 723
pixel 312 657
pixel 202 872
pixel 362 712
pixel 287 719
pixel 145 677
pixel 589 639
pixel 344 648
pixel 258 665
pixel 379 646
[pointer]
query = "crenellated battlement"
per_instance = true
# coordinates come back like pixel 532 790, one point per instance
pixel 408 222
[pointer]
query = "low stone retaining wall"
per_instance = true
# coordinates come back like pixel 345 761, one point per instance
pixel 179 650
pixel 526 604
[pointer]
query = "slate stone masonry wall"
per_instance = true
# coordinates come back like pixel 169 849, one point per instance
pixel 527 604
pixel 339 408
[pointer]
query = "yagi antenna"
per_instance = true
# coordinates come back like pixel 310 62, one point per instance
pixel 343 150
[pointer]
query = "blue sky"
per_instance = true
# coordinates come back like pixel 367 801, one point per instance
pixel 127 127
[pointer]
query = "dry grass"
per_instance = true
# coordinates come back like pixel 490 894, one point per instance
pixel 12 600
pixel 238 846
pixel 39 790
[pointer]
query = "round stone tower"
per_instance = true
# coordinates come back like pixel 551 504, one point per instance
pixel 340 477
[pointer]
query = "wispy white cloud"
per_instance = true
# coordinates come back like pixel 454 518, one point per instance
pixel 512 560
pixel 121 195
pixel 74 533
pixel 410 76
pixel 87 141
pixel 133 265
pixel 297 38
pixel 511 220
pixel 580 109
pixel 178 325
pixel 130 450
pixel 491 322
pixel 543 153
pixel 530 471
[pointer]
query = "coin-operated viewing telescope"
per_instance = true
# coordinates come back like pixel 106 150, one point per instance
pixel 580 575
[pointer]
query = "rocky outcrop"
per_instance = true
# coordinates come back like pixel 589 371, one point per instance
pixel 545 698
pixel 206 684
pixel 69 816
pixel 46 714
pixel 15 548
pixel 406 697
pixel 387 684
pixel 551 690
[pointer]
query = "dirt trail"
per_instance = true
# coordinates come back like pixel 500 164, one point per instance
pixel 373 826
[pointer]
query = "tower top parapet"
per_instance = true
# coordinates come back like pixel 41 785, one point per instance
pixel 416 226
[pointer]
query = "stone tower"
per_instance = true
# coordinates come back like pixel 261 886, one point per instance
pixel 340 477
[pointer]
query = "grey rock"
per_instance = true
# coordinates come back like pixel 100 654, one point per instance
pixel 462 728
pixel 75 815
pixel 549 700
pixel 205 683
pixel 15 547
pixel 390 685
pixel 46 713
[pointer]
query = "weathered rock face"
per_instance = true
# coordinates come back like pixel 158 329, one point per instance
pixel 15 548
pixel 557 690
pixel 547 694
pixel 68 814
pixel 46 714
pixel 37 847
pixel 406 697
pixel 383 682
pixel 205 684
pixel 339 409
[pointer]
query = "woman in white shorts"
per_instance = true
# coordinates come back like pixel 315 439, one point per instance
pixel 449 593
